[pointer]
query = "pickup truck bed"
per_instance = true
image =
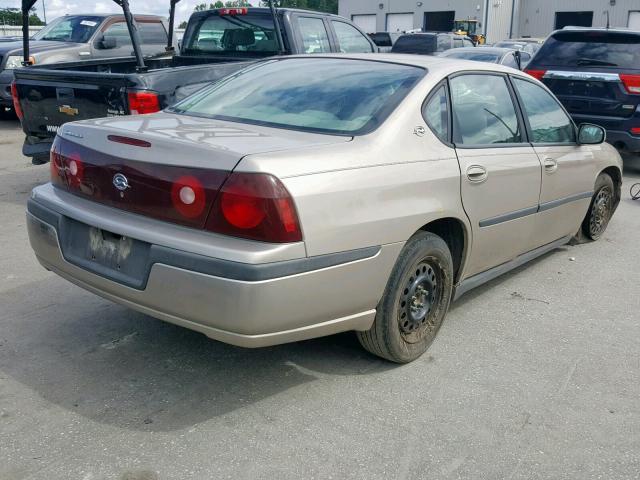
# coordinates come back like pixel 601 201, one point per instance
pixel 56 94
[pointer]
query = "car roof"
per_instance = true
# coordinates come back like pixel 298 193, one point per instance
pixel 436 65
pixel 496 50
pixel 109 15
pixel 279 9
pixel 597 29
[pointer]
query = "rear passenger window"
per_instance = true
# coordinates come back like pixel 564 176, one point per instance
pixel 314 35
pixel 549 123
pixel 483 110
pixel 436 114
pixel 350 40
pixel 152 33
pixel 120 32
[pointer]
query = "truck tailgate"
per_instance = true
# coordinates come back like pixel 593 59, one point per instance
pixel 49 98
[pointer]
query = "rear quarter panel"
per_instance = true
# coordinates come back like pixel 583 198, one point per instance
pixel 377 189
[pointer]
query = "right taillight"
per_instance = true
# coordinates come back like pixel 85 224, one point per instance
pixel 256 206
pixel 143 102
pixel 16 101
pixel 631 83
pixel 537 74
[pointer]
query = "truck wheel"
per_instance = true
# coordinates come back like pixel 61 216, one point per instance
pixel 414 302
pixel 40 159
pixel 600 209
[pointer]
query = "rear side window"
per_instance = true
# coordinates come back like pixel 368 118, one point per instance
pixel 549 123
pixel 314 35
pixel 350 40
pixel 436 114
pixel 422 44
pixel 120 32
pixel 152 33
pixel 595 48
pixel 484 111
pixel 444 43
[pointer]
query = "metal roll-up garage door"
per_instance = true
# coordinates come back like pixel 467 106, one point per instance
pixel 399 22
pixel 366 22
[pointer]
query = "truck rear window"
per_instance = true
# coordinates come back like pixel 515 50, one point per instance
pixel 595 49
pixel 422 44
pixel 324 95
pixel 214 34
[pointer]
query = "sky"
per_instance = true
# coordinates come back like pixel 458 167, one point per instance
pixel 56 8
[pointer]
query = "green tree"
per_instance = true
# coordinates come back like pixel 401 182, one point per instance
pixel 229 4
pixel 13 16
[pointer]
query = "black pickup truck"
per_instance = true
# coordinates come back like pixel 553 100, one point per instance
pixel 216 44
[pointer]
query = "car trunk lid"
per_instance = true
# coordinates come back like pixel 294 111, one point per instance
pixel 165 166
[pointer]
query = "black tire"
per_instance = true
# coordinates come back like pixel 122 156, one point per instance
pixel 415 301
pixel 40 159
pixel 601 208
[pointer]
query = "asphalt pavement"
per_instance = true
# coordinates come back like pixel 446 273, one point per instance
pixel 533 376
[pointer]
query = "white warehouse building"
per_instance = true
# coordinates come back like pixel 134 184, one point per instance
pixel 498 19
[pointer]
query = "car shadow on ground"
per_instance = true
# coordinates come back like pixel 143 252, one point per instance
pixel 123 368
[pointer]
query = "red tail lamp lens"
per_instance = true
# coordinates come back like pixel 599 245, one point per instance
pixel 635 131
pixel 538 74
pixel 56 166
pixel 188 196
pixel 255 206
pixel 16 101
pixel 74 169
pixel 631 82
pixel 143 102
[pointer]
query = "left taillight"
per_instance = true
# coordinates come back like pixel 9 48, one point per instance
pixel 255 206
pixel 141 102
pixel 56 165
pixel 16 101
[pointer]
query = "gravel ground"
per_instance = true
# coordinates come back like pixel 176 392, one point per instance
pixel 535 375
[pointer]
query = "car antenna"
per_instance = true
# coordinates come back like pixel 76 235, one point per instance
pixel 606 12
pixel 276 23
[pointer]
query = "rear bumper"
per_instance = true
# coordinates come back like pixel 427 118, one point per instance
pixel 624 140
pixel 249 305
pixel 37 148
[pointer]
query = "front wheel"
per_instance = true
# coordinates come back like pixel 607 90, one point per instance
pixel 415 301
pixel 600 209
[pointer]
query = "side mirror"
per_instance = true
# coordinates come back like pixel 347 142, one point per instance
pixel 108 43
pixel 589 134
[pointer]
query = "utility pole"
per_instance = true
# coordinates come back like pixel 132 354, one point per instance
pixel 44 12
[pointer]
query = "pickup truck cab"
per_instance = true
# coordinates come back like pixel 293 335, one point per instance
pixel 80 37
pixel 216 44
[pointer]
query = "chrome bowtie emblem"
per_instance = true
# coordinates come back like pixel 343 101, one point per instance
pixel 120 182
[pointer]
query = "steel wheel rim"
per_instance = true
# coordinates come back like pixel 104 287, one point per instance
pixel 600 212
pixel 419 300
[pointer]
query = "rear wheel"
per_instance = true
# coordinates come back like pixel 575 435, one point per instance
pixel 600 209
pixel 415 301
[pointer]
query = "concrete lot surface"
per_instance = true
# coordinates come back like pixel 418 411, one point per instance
pixel 534 376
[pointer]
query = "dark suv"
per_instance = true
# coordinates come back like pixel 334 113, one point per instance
pixel 596 75
pixel 429 43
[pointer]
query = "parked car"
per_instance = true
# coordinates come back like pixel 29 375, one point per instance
pixel 385 40
pixel 215 44
pixel 311 195
pixel 502 56
pixel 80 37
pixel 429 43
pixel 596 75
pixel 531 46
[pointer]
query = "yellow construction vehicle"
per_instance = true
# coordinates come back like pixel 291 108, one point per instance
pixel 469 28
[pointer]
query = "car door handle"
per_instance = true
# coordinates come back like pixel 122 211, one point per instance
pixel 476 173
pixel 550 165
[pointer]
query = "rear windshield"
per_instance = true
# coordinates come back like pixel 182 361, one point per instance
pixel 424 44
pixel 250 34
pixel 597 48
pixel 71 28
pixel 381 39
pixel 324 95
